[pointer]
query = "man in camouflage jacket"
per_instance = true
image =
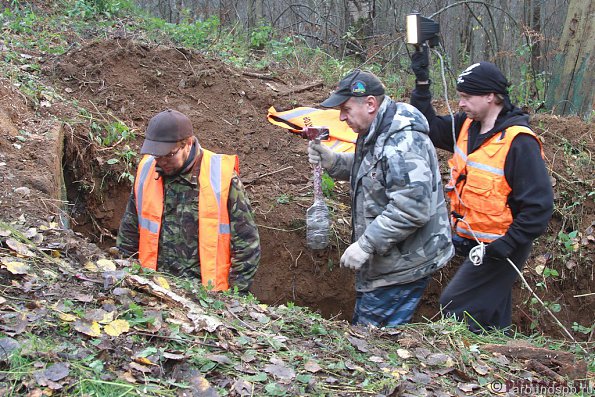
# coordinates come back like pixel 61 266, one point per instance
pixel 178 237
pixel 400 222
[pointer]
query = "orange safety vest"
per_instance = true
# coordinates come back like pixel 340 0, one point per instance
pixel 214 237
pixel 477 189
pixel 342 138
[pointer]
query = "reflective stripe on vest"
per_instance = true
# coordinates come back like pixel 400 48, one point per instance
pixel 214 244
pixel 478 189
pixel 342 138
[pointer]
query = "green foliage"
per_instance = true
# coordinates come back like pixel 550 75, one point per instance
pixel 88 9
pixel 569 241
pixel 282 49
pixel 283 199
pixel 96 387
pixel 274 389
pixel 548 272
pixel 197 34
pixel 529 90
pixel 260 37
pixel 328 185
pixel 576 327
pixel 318 329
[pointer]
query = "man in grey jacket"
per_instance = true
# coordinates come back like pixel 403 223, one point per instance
pixel 401 234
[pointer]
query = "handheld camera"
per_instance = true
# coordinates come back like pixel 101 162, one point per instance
pixel 421 30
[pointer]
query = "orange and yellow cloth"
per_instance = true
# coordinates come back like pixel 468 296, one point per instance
pixel 342 138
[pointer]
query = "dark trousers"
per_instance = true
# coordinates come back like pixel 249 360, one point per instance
pixel 388 306
pixel 482 295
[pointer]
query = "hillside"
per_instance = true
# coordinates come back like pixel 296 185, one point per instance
pixel 75 321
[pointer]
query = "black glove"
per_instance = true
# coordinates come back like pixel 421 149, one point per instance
pixel 420 62
pixel 499 249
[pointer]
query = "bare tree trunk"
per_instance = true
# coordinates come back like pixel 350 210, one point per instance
pixel 255 13
pixel 571 87
pixel 360 22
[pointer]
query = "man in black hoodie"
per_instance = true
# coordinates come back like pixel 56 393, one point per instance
pixel 499 189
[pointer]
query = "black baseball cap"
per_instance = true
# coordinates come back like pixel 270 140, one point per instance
pixel 164 131
pixel 358 83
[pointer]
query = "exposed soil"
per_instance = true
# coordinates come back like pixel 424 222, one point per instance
pixel 119 79
pixel 132 82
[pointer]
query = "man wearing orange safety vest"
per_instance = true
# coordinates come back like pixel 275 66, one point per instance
pixel 499 189
pixel 188 213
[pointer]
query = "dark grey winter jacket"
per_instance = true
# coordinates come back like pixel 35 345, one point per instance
pixel 397 202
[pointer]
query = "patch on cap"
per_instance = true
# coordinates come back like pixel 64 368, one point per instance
pixel 358 88
pixel 358 83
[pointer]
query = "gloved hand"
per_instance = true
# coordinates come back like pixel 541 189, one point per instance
pixel 319 153
pixel 354 257
pixel 499 249
pixel 420 62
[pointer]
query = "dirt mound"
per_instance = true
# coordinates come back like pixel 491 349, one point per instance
pixel 132 81
pixel 28 144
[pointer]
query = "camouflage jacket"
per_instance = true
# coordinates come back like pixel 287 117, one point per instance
pixel 397 204
pixel 178 239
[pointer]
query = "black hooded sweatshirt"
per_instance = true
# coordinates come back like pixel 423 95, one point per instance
pixel 531 200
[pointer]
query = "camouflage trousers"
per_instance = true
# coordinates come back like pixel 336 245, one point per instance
pixel 388 306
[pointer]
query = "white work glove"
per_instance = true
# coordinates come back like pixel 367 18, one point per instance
pixel 319 153
pixel 354 257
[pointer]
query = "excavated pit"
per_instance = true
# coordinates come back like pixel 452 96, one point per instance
pixel 121 80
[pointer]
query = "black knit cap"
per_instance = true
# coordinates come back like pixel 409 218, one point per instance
pixel 358 83
pixel 164 131
pixel 482 78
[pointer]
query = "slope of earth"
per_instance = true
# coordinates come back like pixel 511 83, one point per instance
pixel 56 287
pixel 120 81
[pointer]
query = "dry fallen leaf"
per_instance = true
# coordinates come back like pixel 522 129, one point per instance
pixel 280 371
pixel 480 367
pixel 34 236
pixel 201 387
pixel 127 377
pixel 51 376
pixel 99 315
pixel 67 317
pixel 106 265
pixel 19 247
pixel 173 356
pixel 117 327
pixel 219 358
pixel 361 344
pixel 439 359
pixel 404 354
pixel 88 328
pixel 90 266
pixel 162 282
pixel 7 346
pixel 312 366
pixel 144 360
pixel 468 387
pixel 243 388
pixel 139 367
pixel 17 267
pixel 57 371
